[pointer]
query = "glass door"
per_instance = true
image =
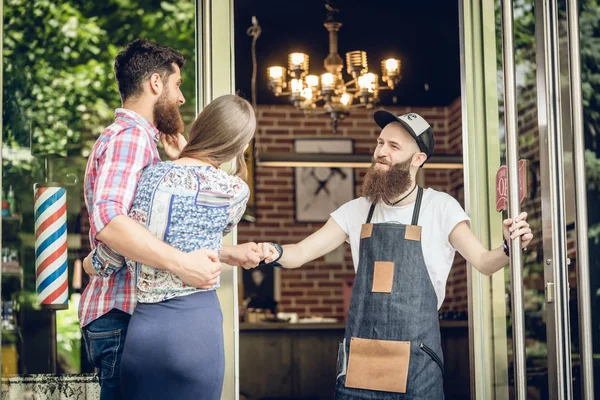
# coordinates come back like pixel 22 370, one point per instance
pixel 543 111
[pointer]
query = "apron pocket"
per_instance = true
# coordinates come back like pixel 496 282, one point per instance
pixel 383 277
pixel 433 356
pixel 341 360
pixel 378 365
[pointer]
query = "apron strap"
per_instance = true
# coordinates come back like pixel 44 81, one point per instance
pixel 415 218
pixel 370 213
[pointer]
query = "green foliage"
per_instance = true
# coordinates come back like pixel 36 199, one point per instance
pixel 53 80
pixel 68 337
pixel 524 31
pixel 58 59
pixel 592 169
pixel 590 72
pixel 524 42
pixel 59 88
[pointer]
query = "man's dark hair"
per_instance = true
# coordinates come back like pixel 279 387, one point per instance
pixel 140 59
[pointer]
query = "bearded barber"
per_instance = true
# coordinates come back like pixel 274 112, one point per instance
pixel 403 240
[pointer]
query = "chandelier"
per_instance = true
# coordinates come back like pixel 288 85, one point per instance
pixel 330 93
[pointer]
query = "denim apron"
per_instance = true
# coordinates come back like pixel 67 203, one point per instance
pixel 392 347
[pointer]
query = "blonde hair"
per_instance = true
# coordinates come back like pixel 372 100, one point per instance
pixel 221 133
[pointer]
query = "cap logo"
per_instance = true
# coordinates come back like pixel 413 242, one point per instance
pixel 416 122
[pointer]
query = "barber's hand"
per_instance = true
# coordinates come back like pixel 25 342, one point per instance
pixel 87 265
pixel 269 252
pixel 173 144
pixel 200 269
pixel 245 255
pixel 519 228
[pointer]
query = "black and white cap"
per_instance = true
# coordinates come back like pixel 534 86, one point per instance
pixel 414 124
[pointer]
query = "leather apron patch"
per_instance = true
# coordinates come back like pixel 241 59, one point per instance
pixel 413 233
pixel 383 277
pixel 378 365
pixel 366 231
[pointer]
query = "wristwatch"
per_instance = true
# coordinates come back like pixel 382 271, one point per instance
pixel 274 263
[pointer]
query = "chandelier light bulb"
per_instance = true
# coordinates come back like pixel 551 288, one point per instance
pixel 275 72
pixel 357 62
pixel 392 66
pixel 312 80
pixel 297 86
pixel 297 58
pixel 327 80
pixel 367 82
pixel 346 99
pixel 307 93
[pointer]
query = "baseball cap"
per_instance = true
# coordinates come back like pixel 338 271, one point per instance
pixel 413 123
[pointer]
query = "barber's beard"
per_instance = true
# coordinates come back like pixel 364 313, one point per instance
pixel 166 115
pixel 387 185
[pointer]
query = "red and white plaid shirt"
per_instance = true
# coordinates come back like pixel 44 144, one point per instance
pixel 113 170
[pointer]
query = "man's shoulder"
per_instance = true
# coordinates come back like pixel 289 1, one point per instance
pixel 353 207
pixel 357 204
pixel 120 134
pixel 119 128
pixel 437 197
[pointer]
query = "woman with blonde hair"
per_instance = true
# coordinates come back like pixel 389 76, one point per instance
pixel 174 346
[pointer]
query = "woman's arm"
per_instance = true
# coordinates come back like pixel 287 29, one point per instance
pixel 323 241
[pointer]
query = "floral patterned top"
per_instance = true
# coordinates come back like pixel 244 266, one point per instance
pixel 188 207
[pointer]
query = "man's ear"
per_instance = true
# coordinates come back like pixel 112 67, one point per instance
pixel 419 159
pixel 156 84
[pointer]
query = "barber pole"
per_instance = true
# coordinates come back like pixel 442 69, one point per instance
pixel 51 272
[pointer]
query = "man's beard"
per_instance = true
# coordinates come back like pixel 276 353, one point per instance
pixel 387 185
pixel 166 115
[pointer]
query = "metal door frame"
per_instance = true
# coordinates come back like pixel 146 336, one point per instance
pixel 553 199
pixel 215 76
pixel 1 139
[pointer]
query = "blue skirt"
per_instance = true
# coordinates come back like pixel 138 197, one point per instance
pixel 174 350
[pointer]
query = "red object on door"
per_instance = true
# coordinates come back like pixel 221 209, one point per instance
pixel 502 185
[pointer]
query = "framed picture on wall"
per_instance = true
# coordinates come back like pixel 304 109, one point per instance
pixel 319 191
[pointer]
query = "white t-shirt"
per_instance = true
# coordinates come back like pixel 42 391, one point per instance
pixel 439 214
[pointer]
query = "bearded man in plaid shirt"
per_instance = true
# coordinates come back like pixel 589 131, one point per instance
pixel 149 79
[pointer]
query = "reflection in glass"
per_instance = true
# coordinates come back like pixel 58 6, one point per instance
pixel 533 267
pixel 59 93
pixel 535 306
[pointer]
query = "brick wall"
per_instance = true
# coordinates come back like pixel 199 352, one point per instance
pixel 316 288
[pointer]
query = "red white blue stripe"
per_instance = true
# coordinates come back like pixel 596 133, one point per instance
pixel 51 246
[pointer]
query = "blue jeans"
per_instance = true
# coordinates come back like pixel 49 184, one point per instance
pixel 104 339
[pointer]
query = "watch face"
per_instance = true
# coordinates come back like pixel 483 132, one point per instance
pixel 320 191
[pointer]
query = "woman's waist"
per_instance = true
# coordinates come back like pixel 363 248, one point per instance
pixel 155 285
pixel 173 295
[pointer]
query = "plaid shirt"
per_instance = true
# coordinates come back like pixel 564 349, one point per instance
pixel 114 167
